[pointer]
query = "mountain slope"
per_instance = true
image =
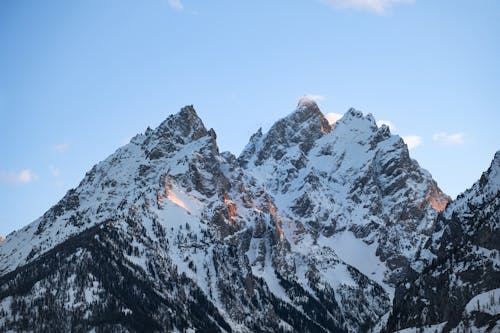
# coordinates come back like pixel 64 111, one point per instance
pixel 461 288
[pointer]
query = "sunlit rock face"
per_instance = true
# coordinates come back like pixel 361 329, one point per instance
pixel 311 229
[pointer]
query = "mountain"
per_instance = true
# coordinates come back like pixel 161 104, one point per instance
pixel 315 227
pixel 460 290
pixel 347 182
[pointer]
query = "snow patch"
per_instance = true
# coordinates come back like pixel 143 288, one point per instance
pixel 487 302
pixel 360 255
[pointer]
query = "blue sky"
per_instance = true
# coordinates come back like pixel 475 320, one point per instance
pixel 79 78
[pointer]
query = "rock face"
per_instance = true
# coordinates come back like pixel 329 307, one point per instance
pixel 461 288
pixel 311 229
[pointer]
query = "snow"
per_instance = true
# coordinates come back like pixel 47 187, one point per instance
pixel 425 329
pixel 286 327
pixel 381 323
pixel 339 276
pixel 487 302
pixel 139 260
pixel 5 306
pixel 176 200
pixel 267 273
pixel 360 255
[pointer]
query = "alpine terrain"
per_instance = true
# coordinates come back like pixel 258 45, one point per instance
pixel 315 227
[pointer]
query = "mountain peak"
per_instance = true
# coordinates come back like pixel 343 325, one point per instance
pixel 186 122
pixel 496 160
pixel 300 128
pixel 188 112
pixel 305 101
pixel 308 109
pixel 353 114
pixel 494 170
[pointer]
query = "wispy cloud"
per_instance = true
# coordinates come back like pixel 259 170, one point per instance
pixel 388 123
pixel 446 139
pixel 412 141
pixel 176 4
pixel 379 7
pixel 55 172
pixel 61 147
pixel 315 97
pixel 17 177
pixel 333 117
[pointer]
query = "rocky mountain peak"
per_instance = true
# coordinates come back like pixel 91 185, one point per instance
pixel 308 111
pixel 494 171
pixel 301 128
pixel 486 191
pixel 185 124
pixel 356 121
pixel 491 177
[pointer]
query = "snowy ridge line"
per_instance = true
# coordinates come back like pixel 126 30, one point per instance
pixel 314 227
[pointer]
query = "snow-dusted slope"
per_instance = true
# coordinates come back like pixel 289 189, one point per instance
pixel 129 179
pixel 354 178
pixel 459 288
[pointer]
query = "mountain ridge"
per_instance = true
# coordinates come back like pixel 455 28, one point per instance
pixel 314 227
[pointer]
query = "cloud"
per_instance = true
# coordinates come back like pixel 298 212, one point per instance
pixel 176 4
pixel 54 171
pixel 379 7
pixel 333 117
pixel 315 97
pixel 446 139
pixel 412 141
pixel 388 123
pixel 22 177
pixel 61 147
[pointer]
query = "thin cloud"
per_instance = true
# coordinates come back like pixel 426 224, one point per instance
pixel 316 97
pixel 61 147
pixel 17 177
pixel 333 117
pixel 176 4
pixel 379 7
pixel 55 172
pixel 388 123
pixel 446 139
pixel 412 141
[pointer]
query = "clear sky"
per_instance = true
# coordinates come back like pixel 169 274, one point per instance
pixel 79 78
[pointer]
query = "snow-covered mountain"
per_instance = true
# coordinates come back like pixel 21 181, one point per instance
pixel 311 229
pixel 460 290
pixel 348 182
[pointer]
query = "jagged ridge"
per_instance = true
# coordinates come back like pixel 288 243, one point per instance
pixel 255 243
